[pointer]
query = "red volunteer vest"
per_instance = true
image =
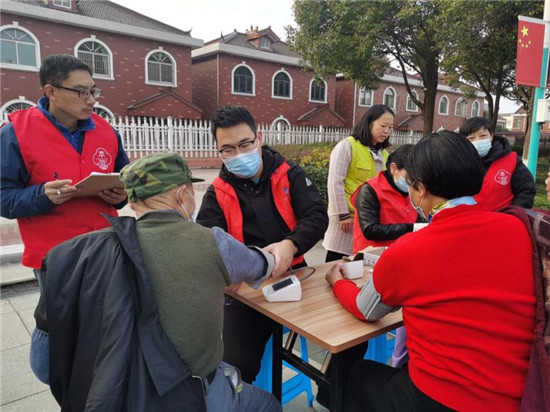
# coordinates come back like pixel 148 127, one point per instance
pixel 280 187
pixel 45 151
pixel 394 208
pixel 496 191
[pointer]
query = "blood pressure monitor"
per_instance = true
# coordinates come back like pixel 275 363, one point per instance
pixel 288 289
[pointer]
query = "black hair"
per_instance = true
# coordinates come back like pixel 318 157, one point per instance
pixel 230 116
pixel 361 130
pixel 400 156
pixel 447 164
pixel 473 124
pixel 57 68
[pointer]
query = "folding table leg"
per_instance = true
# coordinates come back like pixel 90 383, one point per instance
pixel 336 384
pixel 277 369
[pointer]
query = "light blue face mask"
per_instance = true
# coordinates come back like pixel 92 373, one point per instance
pixel 244 164
pixel 402 184
pixel 482 146
pixel 417 208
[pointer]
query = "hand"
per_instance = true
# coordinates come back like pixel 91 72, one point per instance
pixel 346 225
pixel 284 252
pixel 59 191
pixel 113 196
pixel 233 288
pixel 334 274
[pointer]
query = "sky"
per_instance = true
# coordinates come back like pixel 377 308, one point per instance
pixel 208 18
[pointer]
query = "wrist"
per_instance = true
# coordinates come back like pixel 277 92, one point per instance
pixel 344 216
pixel 293 246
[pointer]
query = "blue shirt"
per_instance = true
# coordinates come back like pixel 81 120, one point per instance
pixel 18 198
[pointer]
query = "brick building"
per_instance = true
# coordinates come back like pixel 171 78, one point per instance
pixel 451 108
pixel 257 70
pixel 143 66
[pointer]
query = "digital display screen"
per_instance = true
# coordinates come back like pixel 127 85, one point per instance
pixel 282 284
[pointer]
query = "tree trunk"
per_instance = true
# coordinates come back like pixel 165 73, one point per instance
pixel 494 117
pixel 429 108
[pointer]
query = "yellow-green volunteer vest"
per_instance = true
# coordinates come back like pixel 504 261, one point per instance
pixel 361 168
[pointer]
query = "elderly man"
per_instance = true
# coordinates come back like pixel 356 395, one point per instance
pixel 137 309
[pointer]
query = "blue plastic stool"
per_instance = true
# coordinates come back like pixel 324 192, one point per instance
pixel 381 348
pixel 293 386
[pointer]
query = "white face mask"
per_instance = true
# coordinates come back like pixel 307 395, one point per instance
pixel 190 217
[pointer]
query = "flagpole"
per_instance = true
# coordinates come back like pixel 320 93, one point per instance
pixel 532 156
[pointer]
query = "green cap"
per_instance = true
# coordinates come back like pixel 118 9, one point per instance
pixel 155 174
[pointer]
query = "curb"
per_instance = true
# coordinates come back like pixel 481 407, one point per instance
pixel 11 254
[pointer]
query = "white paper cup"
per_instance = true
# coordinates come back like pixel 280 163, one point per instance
pixel 353 270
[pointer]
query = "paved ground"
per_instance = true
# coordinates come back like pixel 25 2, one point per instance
pixel 19 389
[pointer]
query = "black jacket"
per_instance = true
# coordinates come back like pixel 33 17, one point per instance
pixel 108 351
pixel 523 184
pixel 262 223
pixel 367 208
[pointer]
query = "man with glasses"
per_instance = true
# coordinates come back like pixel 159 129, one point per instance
pixel 47 149
pixel 263 200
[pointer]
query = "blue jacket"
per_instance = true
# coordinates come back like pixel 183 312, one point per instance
pixel 20 200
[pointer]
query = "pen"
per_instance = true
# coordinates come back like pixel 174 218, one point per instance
pixel 56 176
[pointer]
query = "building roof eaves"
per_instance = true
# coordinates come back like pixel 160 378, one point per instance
pixel 218 48
pixel 74 19
pixel 418 83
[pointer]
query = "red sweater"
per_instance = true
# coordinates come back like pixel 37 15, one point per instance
pixel 466 287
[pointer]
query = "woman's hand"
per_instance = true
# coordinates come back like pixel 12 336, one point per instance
pixel 346 225
pixel 334 274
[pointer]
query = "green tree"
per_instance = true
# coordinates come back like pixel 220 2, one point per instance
pixel 478 41
pixel 358 38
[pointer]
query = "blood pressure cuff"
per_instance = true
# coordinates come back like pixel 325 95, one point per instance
pixel 269 266
pixel 369 302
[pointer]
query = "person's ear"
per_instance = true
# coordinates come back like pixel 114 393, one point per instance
pixel 260 137
pixel 49 91
pixel 421 189
pixel 393 169
pixel 180 194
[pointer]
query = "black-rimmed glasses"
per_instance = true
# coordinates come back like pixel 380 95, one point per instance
pixel 83 94
pixel 242 147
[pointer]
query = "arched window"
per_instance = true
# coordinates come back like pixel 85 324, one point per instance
pixel 104 112
pixel 14 105
pixel 317 91
pixel 97 55
pixel 282 85
pixel 444 106
pixel 475 108
pixel 160 68
pixel 19 48
pixel 411 106
pixel 389 97
pixel 243 80
pixel 365 97
pixel 461 106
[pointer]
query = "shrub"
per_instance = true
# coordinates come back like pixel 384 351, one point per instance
pixel 314 159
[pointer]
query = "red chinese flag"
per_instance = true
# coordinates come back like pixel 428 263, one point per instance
pixel 530 47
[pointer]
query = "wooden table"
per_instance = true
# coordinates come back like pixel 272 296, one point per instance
pixel 320 318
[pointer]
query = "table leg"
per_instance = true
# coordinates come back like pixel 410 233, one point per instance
pixel 277 368
pixel 336 384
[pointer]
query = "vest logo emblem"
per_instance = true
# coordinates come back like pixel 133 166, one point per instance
pixel 102 158
pixel 503 177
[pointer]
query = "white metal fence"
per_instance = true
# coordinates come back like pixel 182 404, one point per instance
pixel 192 138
